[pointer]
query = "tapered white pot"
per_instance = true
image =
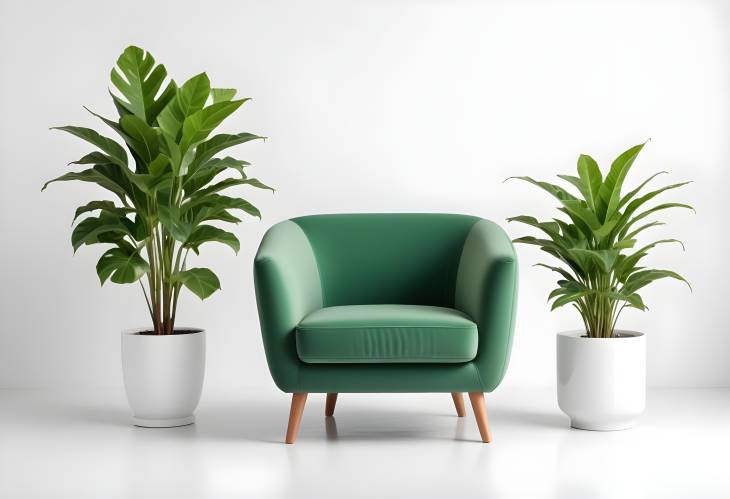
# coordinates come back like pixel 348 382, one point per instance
pixel 602 381
pixel 163 376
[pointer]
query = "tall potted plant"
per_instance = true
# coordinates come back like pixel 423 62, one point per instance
pixel 166 198
pixel 601 369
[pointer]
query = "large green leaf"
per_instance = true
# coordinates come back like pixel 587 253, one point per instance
pixel 123 265
pixel 202 282
pixel 610 191
pixel 89 230
pixel 208 233
pixel 116 152
pixel 191 97
pixel 145 141
pixel 199 125
pixel 590 174
pixel 139 82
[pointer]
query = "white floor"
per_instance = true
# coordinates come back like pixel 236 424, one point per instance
pixel 80 445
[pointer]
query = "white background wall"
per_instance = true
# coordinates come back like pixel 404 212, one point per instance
pixel 371 106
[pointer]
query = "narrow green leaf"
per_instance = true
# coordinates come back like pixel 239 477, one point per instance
pixel 224 202
pixel 630 195
pixel 209 170
pixel 107 206
pixel 93 158
pixel 635 232
pixel 625 244
pixel 640 279
pixel 106 176
pixel 644 214
pixel 107 145
pixel 231 182
pixel 555 190
pixel 206 150
pixel 610 191
pixel 634 205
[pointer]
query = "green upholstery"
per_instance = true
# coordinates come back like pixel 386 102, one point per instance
pixel 451 261
pixel 386 333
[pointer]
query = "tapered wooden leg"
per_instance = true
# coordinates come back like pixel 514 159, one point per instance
pixel 480 412
pixel 295 416
pixel 459 403
pixel 329 407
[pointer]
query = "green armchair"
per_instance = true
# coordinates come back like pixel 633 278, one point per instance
pixel 386 303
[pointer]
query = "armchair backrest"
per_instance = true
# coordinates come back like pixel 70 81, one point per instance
pixel 410 258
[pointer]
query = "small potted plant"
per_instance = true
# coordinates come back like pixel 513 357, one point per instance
pixel 165 202
pixel 601 369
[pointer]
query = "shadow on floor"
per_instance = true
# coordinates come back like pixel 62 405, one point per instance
pixel 265 421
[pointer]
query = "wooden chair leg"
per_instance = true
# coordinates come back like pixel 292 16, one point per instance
pixel 295 416
pixel 329 407
pixel 480 412
pixel 459 403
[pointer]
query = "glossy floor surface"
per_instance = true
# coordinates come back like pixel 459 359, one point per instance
pixel 79 444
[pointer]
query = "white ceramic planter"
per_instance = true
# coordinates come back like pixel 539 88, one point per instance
pixel 163 376
pixel 602 381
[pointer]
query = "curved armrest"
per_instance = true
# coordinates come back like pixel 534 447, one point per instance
pixel 288 287
pixel 486 290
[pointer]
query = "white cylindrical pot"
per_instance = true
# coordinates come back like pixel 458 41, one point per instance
pixel 163 375
pixel 602 381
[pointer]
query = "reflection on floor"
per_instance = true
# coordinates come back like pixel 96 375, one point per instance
pixel 79 444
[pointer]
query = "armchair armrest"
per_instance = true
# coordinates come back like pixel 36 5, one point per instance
pixel 288 287
pixel 486 290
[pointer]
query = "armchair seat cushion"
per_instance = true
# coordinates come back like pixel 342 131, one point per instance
pixel 355 334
